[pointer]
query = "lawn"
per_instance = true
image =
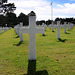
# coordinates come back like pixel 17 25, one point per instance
pixel 53 56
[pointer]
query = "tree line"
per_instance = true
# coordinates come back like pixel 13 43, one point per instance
pixel 62 20
pixel 11 20
pixel 7 16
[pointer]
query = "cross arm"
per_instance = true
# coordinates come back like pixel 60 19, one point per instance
pixel 39 29
pixel 62 26
pixel 24 30
pixel 55 26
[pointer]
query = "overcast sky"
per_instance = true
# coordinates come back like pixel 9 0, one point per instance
pixel 42 8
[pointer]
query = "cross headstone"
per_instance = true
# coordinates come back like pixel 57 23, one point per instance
pixel 65 27
pixel 17 27
pixel 6 25
pixel 32 30
pixel 45 26
pixel 21 24
pixel 3 29
pixel 52 27
pixel 58 26
pixel 58 30
pixel 0 29
pixel 71 25
pixel 49 26
pixel 10 27
pixel 68 26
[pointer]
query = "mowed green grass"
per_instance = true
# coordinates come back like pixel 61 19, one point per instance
pixel 53 57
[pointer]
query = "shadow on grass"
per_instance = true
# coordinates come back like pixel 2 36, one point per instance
pixel 32 69
pixel 17 37
pixel 44 35
pixel 53 31
pixel 62 40
pixel 67 33
pixel 18 44
pixel 69 30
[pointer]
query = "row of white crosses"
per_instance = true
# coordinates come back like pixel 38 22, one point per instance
pixel 65 25
pixel 18 26
pixel 32 29
pixel 3 29
pixel 44 26
pixel 58 26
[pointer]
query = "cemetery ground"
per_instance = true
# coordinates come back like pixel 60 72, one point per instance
pixel 53 56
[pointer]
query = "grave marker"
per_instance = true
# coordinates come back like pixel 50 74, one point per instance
pixel 32 30
pixel 44 26
pixel 58 29
pixel 0 29
pixel 65 27
pixel 58 26
pixel 52 27
pixel 17 27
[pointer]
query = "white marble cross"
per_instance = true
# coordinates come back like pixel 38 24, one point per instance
pixel 3 29
pixel 52 27
pixel 10 27
pixel 65 27
pixel 58 29
pixel 17 27
pixel 0 29
pixel 68 26
pixel 49 26
pixel 32 30
pixel 71 25
pixel 58 26
pixel 45 26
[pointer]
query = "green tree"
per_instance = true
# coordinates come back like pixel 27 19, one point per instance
pixel 2 20
pixel 11 19
pixel 48 22
pixel 6 7
pixel 40 22
pixel 3 1
pixel 23 18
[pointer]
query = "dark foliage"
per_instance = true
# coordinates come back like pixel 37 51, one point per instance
pixel 6 7
pixel 40 22
pixel 71 20
pixel 23 18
